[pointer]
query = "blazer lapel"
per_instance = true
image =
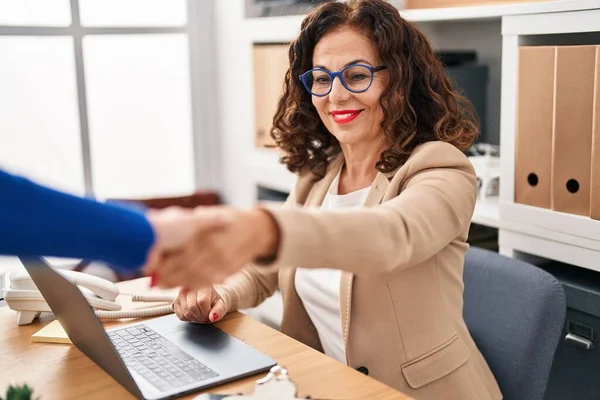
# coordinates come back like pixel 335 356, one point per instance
pixel 314 199
pixel 378 189
pixel 374 197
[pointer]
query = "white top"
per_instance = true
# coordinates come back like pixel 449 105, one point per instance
pixel 319 289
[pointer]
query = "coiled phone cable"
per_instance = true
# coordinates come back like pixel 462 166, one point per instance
pixel 141 312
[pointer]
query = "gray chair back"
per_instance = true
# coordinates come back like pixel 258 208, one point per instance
pixel 515 312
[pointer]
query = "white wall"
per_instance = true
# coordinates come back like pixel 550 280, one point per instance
pixel 235 102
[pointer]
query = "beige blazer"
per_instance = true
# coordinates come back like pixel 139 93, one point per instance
pixel 401 258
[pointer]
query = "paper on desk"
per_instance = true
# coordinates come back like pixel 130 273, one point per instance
pixel 51 333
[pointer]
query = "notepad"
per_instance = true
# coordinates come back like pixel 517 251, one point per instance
pixel 51 333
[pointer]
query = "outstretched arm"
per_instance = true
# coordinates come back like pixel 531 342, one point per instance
pixel 38 221
pixel 434 207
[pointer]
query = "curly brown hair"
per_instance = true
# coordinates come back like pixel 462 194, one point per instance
pixel 419 105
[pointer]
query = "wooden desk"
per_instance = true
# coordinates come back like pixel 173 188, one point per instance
pixel 61 371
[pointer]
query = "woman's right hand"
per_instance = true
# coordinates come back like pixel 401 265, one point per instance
pixel 201 305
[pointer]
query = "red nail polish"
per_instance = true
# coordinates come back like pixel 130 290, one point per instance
pixel 153 280
pixel 184 290
pixel 215 317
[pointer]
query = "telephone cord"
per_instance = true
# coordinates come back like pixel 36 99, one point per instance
pixel 137 313
pixel 151 298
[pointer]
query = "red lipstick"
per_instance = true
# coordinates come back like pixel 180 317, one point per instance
pixel 344 116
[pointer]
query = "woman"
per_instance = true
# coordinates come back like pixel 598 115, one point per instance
pixel 38 221
pixel 374 234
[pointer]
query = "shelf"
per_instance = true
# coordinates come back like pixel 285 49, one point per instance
pixel 486 212
pixel 549 249
pixel 273 29
pixel 561 227
pixel 497 10
pixel 285 28
pixel 269 173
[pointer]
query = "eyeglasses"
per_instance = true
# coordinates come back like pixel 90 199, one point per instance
pixel 357 78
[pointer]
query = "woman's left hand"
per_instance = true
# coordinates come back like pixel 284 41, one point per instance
pixel 209 257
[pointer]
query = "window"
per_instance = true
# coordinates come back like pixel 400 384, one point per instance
pixel 141 139
pixel 100 96
pixel 35 13
pixel 39 117
pixel 132 13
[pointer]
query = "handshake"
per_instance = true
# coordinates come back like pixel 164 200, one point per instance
pixel 203 246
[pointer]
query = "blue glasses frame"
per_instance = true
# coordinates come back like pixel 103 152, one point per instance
pixel 305 76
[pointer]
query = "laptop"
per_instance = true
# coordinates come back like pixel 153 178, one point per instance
pixel 161 358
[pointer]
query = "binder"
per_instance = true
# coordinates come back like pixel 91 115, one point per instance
pixel 533 147
pixel 573 113
pixel 271 62
pixel 595 189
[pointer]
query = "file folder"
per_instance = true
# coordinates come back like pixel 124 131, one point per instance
pixel 271 62
pixel 573 113
pixel 535 102
pixel 595 190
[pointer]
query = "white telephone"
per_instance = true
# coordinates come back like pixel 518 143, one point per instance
pixel 22 295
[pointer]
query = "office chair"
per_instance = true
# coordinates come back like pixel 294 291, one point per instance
pixel 515 312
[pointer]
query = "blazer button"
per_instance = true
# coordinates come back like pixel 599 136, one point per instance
pixel 363 370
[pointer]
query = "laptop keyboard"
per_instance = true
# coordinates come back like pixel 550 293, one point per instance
pixel 159 361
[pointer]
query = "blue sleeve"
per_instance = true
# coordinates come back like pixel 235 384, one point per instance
pixel 38 221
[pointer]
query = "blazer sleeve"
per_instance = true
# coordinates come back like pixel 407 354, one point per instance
pixel 433 208
pixel 248 287
pixel 38 221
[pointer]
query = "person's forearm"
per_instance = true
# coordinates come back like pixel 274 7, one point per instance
pixel 37 221
pixel 434 209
